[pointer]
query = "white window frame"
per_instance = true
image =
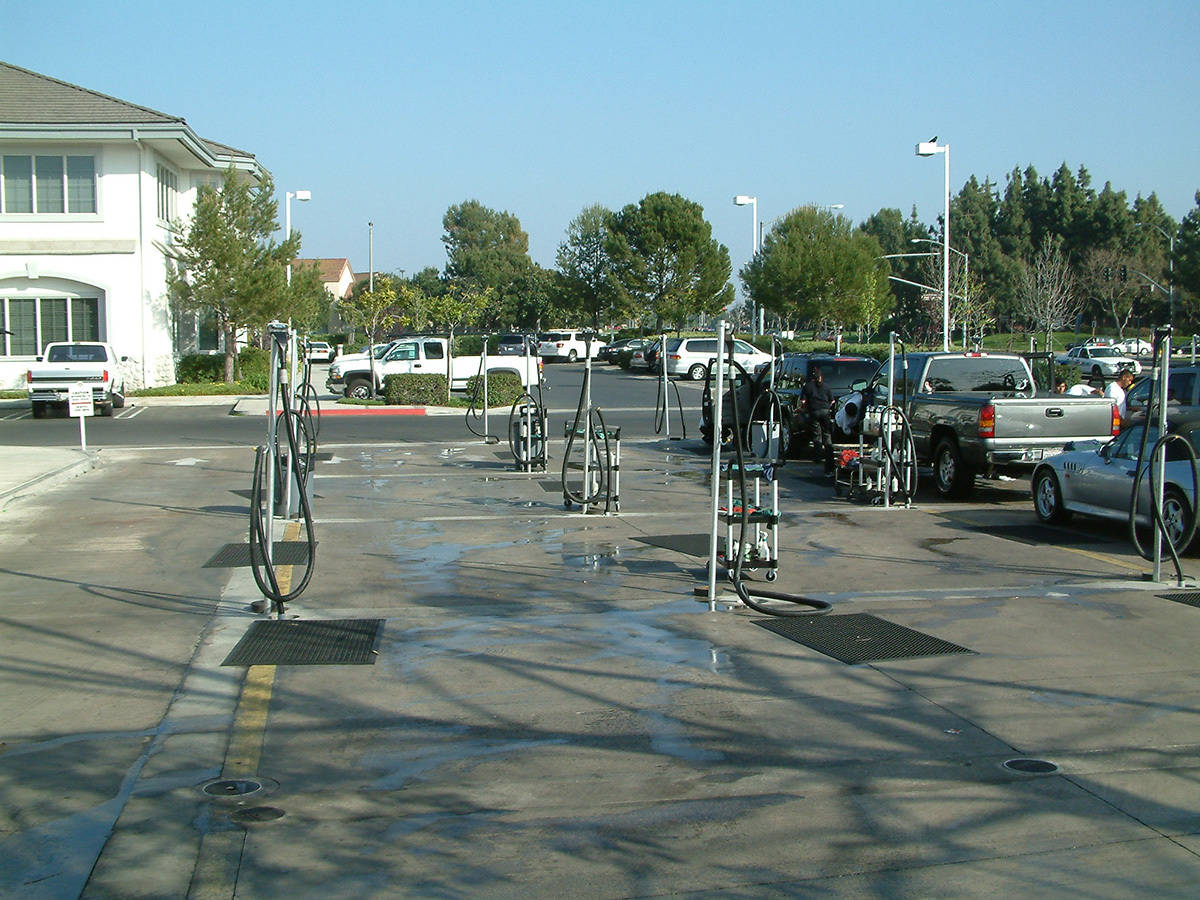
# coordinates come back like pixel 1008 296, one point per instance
pixel 168 194
pixel 65 216
pixel 40 344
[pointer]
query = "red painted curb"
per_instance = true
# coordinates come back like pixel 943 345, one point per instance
pixel 373 411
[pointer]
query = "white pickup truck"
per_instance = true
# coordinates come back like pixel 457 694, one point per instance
pixel 423 356
pixel 63 365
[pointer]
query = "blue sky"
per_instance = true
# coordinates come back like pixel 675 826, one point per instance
pixel 392 112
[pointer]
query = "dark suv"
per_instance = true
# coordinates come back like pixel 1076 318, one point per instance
pixel 514 345
pixel 839 372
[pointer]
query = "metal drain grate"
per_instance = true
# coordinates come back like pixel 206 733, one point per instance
pixel 288 642
pixel 1041 534
pixel 1190 598
pixel 859 638
pixel 237 556
pixel 322 456
pixel 687 544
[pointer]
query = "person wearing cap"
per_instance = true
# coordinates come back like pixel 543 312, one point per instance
pixel 1117 389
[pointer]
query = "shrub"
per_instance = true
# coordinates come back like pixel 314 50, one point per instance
pixel 503 388
pixel 468 344
pixel 414 390
pixel 197 368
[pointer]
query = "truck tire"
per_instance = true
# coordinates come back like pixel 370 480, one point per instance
pixel 105 409
pixel 1047 497
pixel 118 400
pixel 953 478
pixel 359 389
pixel 39 409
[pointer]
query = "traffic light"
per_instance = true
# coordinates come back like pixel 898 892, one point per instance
pixel 1108 273
pixel 1124 273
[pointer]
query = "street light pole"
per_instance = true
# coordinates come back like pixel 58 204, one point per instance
pixel 1170 269
pixel 929 148
pixel 287 219
pixel 756 315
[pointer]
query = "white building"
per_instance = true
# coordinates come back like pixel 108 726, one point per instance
pixel 88 188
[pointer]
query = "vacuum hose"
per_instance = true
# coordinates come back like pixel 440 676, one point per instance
pixel 265 466
pixel 604 489
pixel 661 404
pixel 809 605
pixel 473 409
pixel 526 455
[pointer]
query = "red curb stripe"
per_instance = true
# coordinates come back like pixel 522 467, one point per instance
pixel 373 411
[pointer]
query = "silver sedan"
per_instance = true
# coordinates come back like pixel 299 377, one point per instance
pixel 1097 480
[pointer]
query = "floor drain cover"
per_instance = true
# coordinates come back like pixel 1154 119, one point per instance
pixel 1031 766
pixel 688 544
pixel 1191 598
pixel 1041 534
pixel 322 456
pixel 290 642
pixel 234 787
pixel 859 638
pixel 237 556
pixel 257 814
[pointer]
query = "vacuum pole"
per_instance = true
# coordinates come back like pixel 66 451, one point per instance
pixel 272 446
pixel 486 400
pixel 587 420
pixel 1157 460
pixel 886 422
pixel 662 358
pixel 717 394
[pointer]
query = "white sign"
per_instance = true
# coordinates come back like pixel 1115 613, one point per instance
pixel 79 400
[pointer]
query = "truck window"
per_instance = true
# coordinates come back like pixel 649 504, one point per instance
pixel 977 373
pixel 76 353
pixel 433 350
pixel 403 351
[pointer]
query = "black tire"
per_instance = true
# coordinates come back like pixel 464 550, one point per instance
pixel 359 389
pixel 118 400
pixel 1096 373
pixel 1047 497
pixel 1177 516
pixel 572 356
pixel 39 410
pixel 953 478
pixel 697 372
pixel 105 409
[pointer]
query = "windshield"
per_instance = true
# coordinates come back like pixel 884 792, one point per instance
pixel 1105 352
pixel 977 373
pixel 839 374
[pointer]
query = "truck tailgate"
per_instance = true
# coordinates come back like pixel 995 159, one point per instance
pixel 1052 420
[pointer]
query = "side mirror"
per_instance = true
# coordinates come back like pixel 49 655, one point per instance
pixel 124 359
pixel 860 385
pixel 1106 451
pixel 38 358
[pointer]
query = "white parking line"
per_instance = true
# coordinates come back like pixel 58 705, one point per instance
pixel 132 412
pixel 23 414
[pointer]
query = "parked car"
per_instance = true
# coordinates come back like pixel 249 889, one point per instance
pixel 64 364
pixel 608 353
pixel 1096 479
pixel 645 356
pixel 567 345
pixel 1134 347
pixel 515 344
pixel 320 351
pixel 689 356
pixel 1095 360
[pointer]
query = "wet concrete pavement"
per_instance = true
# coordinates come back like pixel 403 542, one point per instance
pixel 552 712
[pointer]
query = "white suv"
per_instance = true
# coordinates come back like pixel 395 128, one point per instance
pixel 690 356
pixel 568 345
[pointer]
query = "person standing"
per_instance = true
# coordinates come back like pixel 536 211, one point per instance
pixel 1117 390
pixel 818 401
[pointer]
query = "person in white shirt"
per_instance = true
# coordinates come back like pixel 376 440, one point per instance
pixel 1116 390
pixel 1082 390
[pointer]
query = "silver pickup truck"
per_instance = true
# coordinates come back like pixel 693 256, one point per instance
pixel 980 414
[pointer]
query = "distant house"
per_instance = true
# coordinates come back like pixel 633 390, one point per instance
pixel 339 280
pixel 89 187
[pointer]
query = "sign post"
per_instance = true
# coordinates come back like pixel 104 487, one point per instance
pixel 79 402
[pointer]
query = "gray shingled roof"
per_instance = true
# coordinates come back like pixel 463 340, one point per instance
pixel 29 98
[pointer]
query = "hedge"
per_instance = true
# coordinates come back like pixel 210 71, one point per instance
pixel 203 368
pixel 414 390
pixel 503 388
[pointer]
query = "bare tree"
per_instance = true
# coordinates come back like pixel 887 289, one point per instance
pixel 1046 294
pixel 1106 279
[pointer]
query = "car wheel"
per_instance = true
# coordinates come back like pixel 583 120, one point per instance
pixel 696 372
pixel 39 410
pixel 105 409
pixel 572 356
pixel 118 400
pixel 1047 497
pixel 1177 517
pixel 359 389
pixel 1096 373
pixel 951 476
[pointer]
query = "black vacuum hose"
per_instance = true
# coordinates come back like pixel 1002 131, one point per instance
pixel 661 403
pixel 472 410
pixel 810 606
pixel 596 427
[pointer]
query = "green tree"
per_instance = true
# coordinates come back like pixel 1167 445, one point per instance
pixel 1187 262
pixel 587 278
pixel 812 265
pixel 484 246
pixel 666 263
pixel 310 302
pixel 375 311
pixel 227 262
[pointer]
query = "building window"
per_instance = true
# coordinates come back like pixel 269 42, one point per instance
pixel 36 322
pixel 168 188
pixel 47 184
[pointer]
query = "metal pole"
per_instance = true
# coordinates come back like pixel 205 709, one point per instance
pixel 587 419
pixel 1157 472
pixel 718 388
pixel 946 260
pixel 486 401
pixel 272 447
pixel 885 422
pixel 662 356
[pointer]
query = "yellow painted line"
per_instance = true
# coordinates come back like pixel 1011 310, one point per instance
pixel 1111 560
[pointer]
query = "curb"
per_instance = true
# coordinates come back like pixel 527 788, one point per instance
pixel 42 483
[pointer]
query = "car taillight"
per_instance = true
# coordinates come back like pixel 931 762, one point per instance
pixel 987 421
pixel 1116 420
pixel 674 356
pixel 559 344
pixel 105 378
pixel 29 376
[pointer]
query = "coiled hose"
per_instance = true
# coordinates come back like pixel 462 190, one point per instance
pixel 263 567
pixel 604 461
pixel 661 402
pixel 1160 449
pixel 472 410
pixel 538 425
pixel 810 605
pixel 907 461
